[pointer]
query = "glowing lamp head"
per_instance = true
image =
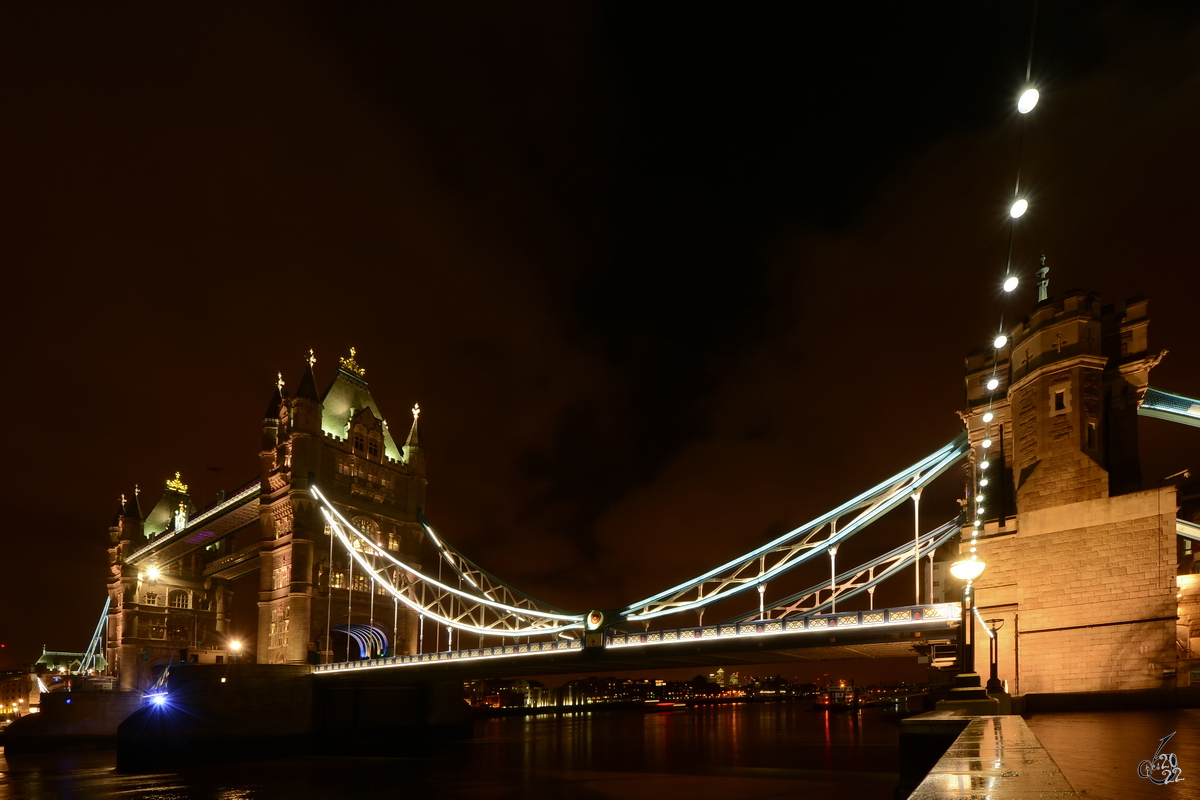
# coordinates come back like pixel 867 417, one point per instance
pixel 153 573
pixel 983 481
pixel 967 570
pixel 983 464
pixel 988 416
pixel 1001 340
pixel 1028 100
pixel 985 444
pixel 235 646
pixel 1010 283
pixel 993 384
pixel 159 699
pixel 1017 210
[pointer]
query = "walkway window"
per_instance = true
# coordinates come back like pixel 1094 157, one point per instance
pixel 178 599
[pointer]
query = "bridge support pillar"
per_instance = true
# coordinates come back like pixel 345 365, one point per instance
pixel 222 713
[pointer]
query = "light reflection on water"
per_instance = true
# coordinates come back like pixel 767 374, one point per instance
pixel 729 752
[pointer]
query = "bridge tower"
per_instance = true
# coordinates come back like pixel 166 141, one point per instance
pixel 1081 559
pixel 340 442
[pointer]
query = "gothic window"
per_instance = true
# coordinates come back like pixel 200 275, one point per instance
pixel 178 599
pixel 358 441
pixel 373 447
pixel 393 542
pixel 360 583
pixel 338 580
pixel 368 527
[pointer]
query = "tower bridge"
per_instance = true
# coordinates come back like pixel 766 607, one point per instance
pixel 1093 576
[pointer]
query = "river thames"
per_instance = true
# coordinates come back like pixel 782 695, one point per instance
pixel 728 752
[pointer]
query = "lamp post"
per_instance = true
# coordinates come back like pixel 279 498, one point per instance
pixel 994 686
pixel 235 648
pixel 967 571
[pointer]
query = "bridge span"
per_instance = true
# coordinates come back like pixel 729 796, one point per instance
pixel 881 633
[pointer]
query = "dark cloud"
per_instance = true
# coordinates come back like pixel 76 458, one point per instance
pixel 665 284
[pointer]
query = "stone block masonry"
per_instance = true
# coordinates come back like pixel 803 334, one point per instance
pixel 1091 589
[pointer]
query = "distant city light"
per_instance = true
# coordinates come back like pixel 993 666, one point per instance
pixel 1027 101
pixel 1018 209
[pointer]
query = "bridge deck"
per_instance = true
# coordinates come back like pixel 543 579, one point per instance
pixel 883 633
pixel 238 511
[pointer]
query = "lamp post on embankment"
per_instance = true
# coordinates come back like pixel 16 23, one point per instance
pixel 994 684
pixel 968 693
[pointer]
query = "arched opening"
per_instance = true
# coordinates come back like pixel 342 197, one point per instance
pixel 357 642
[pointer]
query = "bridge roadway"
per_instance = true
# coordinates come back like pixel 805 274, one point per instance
pixel 881 633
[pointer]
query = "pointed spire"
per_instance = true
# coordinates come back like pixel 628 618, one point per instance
pixel 1043 276
pixel 413 440
pixel 308 384
pixel 131 510
pixel 272 412
pixel 414 456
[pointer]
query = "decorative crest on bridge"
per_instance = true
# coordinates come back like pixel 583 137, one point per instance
pixel 312 358
pixel 279 382
pixel 177 485
pixel 351 366
pixel 416 411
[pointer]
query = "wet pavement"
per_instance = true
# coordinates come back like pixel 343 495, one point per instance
pixel 1102 753
pixel 996 757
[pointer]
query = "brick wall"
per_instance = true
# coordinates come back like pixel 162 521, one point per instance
pixel 1083 581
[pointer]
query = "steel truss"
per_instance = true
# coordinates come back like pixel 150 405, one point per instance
pixel 801 544
pixel 855 581
pixel 464 609
pixel 1171 407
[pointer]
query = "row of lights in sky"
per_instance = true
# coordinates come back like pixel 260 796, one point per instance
pixel 971 569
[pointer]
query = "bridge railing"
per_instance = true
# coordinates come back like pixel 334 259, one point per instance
pixel 822 623
pixel 476 654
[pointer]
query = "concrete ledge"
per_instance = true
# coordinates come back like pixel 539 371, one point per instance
pixel 994 756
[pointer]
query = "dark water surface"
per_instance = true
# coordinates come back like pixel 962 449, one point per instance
pixel 1099 751
pixel 727 752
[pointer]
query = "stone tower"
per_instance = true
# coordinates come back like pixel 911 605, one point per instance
pixel 1080 559
pixel 173 571
pixel 339 442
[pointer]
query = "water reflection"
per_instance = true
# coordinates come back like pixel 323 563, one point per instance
pixel 726 752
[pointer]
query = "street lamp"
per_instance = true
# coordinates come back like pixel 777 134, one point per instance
pixel 967 570
pixel 994 686
pixel 235 647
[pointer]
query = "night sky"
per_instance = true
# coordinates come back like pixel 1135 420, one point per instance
pixel 667 280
